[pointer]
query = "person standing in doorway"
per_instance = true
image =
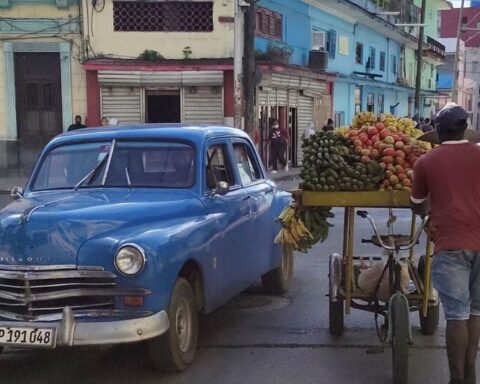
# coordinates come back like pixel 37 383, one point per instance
pixel 77 125
pixel 278 145
pixel 446 183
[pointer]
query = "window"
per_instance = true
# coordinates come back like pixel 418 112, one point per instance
pixel 359 53
pixel 332 43
pixel 339 118
pixel 268 24
pixel 319 40
pixel 370 102
pixel 156 16
pixel 381 108
pixel 394 64
pixel 247 167
pixel 358 99
pixel 372 58
pixel 382 61
pixel 218 167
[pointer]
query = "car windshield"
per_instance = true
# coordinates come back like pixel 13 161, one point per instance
pixel 132 164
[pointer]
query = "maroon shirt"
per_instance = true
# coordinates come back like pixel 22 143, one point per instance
pixel 450 173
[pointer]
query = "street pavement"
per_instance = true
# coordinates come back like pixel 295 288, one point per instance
pixel 257 338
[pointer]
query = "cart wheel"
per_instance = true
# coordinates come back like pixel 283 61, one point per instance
pixel 429 324
pixel 336 317
pixel 400 339
pixel 335 299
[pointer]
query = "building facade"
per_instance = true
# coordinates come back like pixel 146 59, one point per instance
pixel 42 83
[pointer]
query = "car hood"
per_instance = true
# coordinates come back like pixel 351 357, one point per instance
pixel 49 228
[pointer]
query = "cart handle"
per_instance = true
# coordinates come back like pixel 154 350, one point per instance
pixel 365 215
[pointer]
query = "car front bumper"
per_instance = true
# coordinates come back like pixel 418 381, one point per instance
pixel 70 332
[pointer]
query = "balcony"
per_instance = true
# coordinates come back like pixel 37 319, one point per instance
pixel 434 49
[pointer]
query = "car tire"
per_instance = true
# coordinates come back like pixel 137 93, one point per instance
pixel 277 280
pixel 175 350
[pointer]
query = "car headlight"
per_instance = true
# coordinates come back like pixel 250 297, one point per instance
pixel 130 259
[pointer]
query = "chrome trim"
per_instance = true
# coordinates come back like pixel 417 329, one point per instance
pixel 18 275
pixel 89 313
pixel 7 267
pixel 139 249
pixel 71 332
pixel 30 298
pixel 109 161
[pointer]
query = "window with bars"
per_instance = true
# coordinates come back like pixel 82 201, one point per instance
pixel 359 53
pixel 394 64
pixel 157 16
pixel 382 61
pixel 268 24
pixel 372 57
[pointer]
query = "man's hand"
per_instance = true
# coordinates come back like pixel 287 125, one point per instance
pixel 430 229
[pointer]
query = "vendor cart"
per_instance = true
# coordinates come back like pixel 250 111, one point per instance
pixel 344 293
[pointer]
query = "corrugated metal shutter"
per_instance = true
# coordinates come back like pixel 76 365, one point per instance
pixel 160 78
pixel 282 97
pixel 122 103
pixel 305 116
pixel 204 106
pixel 262 98
pixel 293 98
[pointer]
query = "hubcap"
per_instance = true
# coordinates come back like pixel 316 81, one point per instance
pixel 183 322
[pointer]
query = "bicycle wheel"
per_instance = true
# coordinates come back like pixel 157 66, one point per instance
pixel 335 300
pixel 336 317
pixel 400 338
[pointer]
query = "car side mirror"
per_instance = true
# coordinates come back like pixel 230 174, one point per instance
pixel 17 193
pixel 222 188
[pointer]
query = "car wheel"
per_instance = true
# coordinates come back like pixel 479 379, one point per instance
pixel 175 350
pixel 277 280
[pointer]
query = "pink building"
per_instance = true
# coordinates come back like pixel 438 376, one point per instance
pixel 470 19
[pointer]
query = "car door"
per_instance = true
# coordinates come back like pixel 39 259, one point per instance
pixel 259 193
pixel 233 214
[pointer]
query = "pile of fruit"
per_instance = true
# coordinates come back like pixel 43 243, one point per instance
pixel 330 164
pixel 395 152
pixel 302 228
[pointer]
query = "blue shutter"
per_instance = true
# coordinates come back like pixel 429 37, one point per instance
pixel 332 43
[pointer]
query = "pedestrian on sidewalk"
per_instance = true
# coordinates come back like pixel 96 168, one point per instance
pixel 77 125
pixel 447 185
pixel 278 146
pixel 104 121
pixel 309 131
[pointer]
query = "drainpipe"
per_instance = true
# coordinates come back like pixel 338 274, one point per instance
pixel 238 66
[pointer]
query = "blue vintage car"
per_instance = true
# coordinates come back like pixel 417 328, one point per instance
pixel 124 234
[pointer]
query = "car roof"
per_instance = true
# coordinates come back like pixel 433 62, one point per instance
pixel 194 133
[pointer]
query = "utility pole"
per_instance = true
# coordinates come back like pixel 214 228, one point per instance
pixel 418 79
pixel 249 69
pixel 238 66
pixel 457 54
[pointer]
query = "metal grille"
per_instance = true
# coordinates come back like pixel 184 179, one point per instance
pixel 27 295
pixel 156 16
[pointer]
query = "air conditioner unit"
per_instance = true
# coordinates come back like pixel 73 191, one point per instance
pixel 318 60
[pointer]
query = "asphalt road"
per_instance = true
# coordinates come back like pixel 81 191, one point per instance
pixel 257 339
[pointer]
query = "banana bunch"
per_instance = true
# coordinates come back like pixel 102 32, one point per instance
pixel 389 121
pixel 424 145
pixel 407 126
pixel 315 219
pixel 303 227
pixel 294 233
pixel 342 130
pixel 364 118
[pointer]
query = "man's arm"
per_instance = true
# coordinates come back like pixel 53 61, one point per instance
pixel 420 192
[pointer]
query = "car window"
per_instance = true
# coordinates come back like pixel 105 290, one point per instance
pixel 159 164
pixel 248 169
pixel 218 166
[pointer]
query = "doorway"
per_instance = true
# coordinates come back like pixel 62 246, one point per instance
pixel 163 106
pixel 293 133
pixel 38 94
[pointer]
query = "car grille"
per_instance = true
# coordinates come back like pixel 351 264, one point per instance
pixel 30 294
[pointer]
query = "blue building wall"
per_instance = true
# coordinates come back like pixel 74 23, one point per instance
pixel 300 19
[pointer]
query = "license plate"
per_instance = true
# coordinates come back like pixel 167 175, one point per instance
pixel 35 337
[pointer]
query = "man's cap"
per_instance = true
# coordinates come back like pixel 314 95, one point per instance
pixel 451 117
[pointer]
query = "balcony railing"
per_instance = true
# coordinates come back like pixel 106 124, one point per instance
pixel 435 48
